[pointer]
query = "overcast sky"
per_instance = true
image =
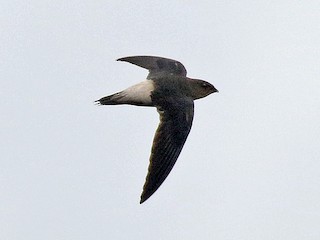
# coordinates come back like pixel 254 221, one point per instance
pixel 250 168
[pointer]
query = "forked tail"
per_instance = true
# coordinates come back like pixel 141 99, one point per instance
pixel 113 99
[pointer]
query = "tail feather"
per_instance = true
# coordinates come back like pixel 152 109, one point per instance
pixel 113 99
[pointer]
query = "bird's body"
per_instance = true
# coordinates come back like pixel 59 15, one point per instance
pixel 169 90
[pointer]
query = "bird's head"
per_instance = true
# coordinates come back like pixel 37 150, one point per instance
pixel 200 88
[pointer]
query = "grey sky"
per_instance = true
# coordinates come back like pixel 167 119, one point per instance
pixel 250 168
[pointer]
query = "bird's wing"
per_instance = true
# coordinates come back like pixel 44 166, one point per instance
pixel 176 115
pixel 157 66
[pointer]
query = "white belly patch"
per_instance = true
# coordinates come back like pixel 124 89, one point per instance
pixel 140 93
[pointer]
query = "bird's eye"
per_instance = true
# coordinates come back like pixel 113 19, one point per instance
pixel 204 85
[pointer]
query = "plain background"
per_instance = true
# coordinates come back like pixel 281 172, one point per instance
pixel 250 168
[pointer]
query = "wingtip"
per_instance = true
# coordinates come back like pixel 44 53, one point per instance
pixel 145 195
pixel 119 59
pixel 143 199
pixel 156 65
pixel 125 59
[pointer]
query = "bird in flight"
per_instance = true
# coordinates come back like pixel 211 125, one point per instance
pixel 167 88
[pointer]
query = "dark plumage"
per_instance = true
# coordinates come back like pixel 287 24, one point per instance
pixel 169 90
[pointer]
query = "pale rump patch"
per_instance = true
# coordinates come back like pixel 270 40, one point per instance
pixel 139 93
